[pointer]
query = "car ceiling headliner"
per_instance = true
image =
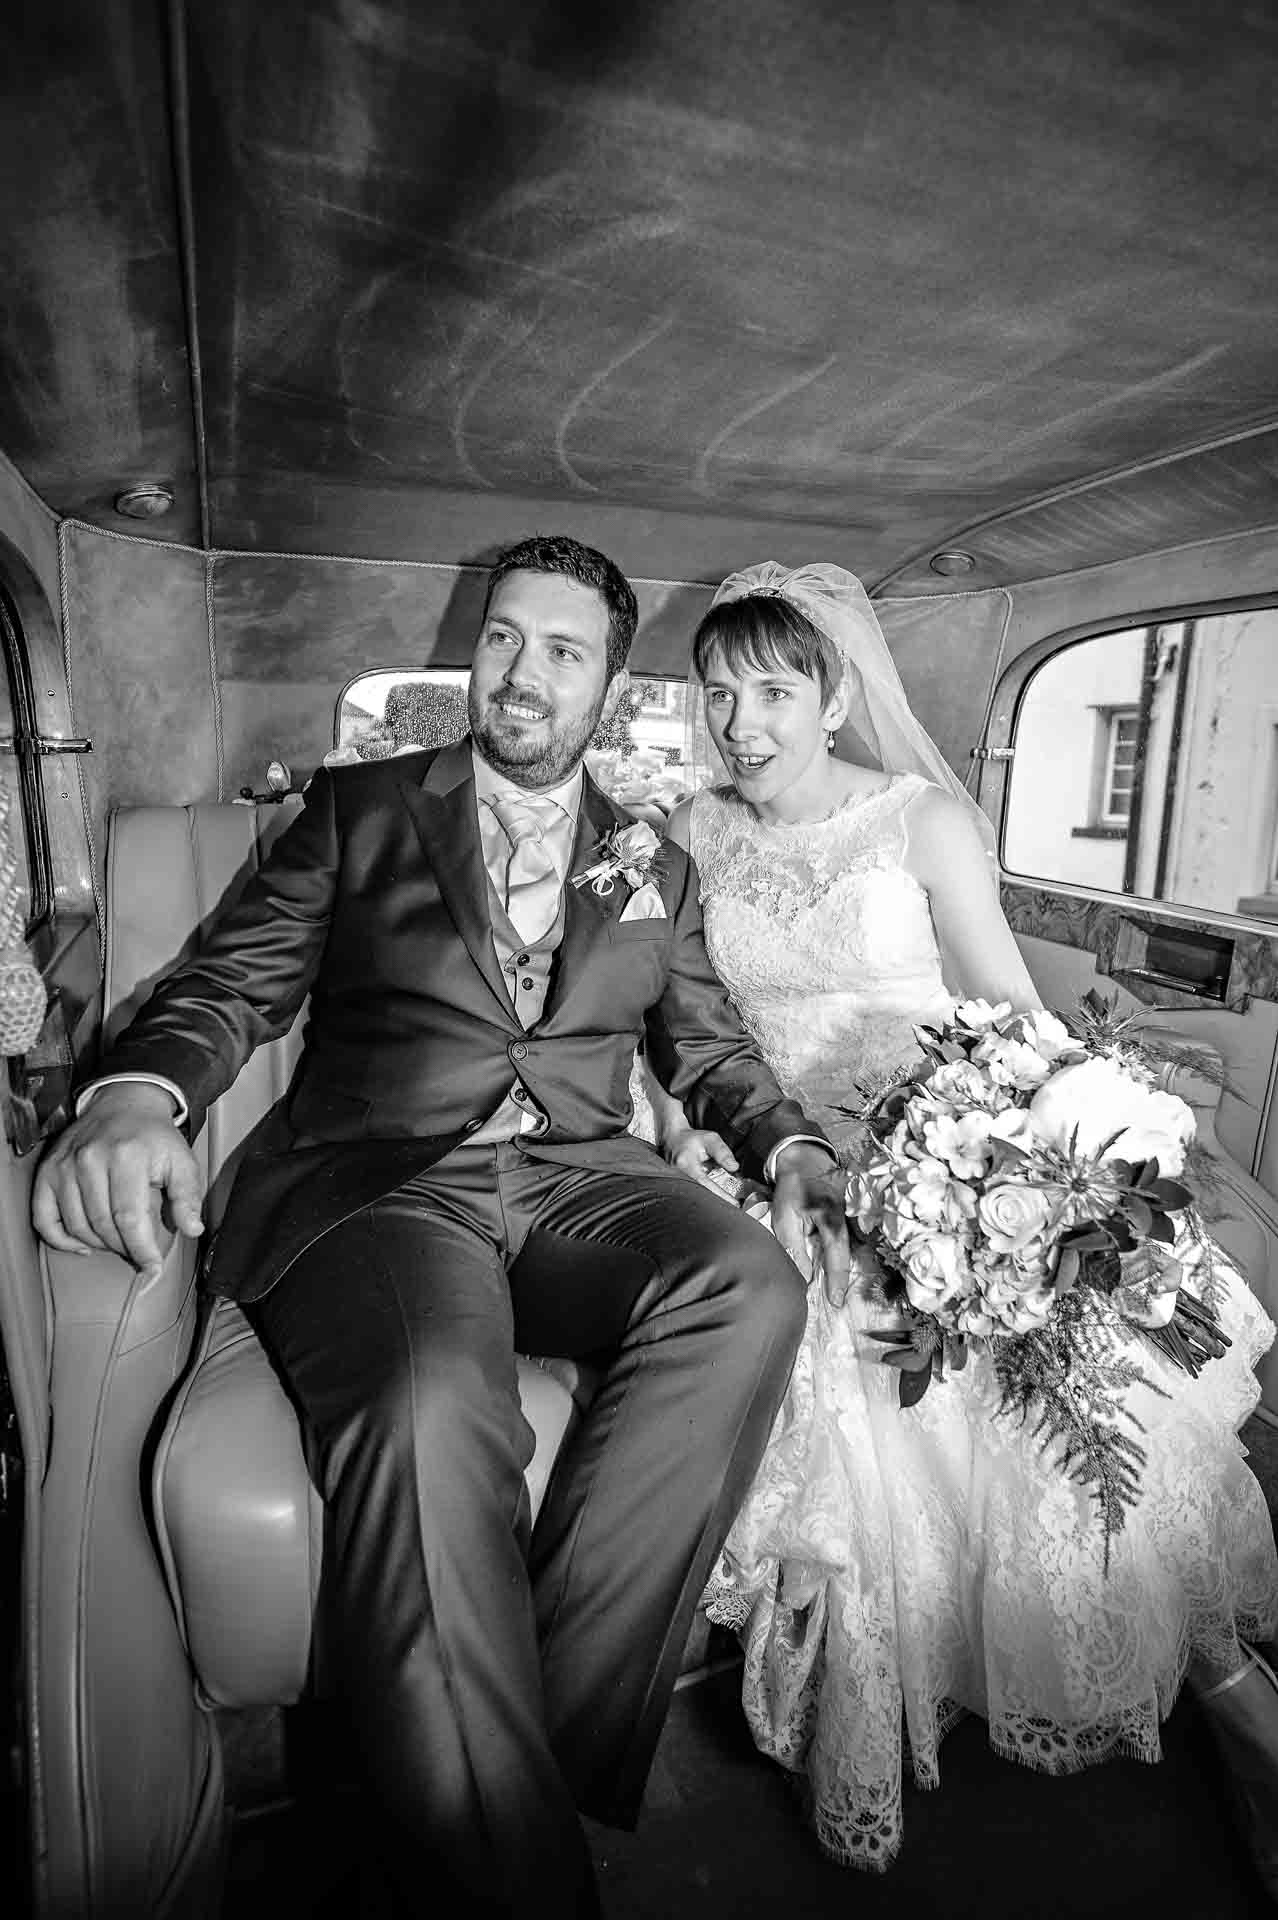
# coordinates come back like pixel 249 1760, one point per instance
pixel 854 280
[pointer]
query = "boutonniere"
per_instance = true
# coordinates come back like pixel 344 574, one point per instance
pixel 631 853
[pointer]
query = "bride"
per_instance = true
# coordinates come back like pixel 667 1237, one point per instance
pixel 892 1569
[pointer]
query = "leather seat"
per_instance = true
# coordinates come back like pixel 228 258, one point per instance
pixel 240 1526
pixel 153 1610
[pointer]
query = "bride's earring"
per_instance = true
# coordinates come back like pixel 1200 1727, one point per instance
pixel 829 742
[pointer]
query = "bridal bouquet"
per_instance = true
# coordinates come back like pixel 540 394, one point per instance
pixel 1022 1192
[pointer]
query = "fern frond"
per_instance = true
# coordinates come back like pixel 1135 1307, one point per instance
pixel 1066 1383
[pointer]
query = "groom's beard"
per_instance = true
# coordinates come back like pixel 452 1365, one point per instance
pixel 528 758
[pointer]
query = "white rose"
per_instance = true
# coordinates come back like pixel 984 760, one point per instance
pixel 634 847
pixel 638 841
pixel 1012 1215
pixel 1099 1098
pixel 935 1270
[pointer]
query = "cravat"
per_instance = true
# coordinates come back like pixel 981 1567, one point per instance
pixel 532 879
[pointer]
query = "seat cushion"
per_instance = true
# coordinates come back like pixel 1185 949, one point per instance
pixel 240 1525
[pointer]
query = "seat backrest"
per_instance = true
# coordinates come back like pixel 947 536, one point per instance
pixel 170 872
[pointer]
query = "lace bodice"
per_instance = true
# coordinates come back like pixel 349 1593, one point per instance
pixel 823 939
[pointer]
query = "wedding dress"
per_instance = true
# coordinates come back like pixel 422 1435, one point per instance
pixel 893 1568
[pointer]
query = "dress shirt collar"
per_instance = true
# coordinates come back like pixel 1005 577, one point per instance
pixel 489 784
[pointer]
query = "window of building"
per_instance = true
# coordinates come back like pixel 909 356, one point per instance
pixel 1120 735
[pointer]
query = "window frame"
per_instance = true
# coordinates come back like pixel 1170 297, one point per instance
pixel 1271 868
pixel 995 751
pixel 1264 902
pixel 672 685
pixel 32 819
pixel 1112 718
pixel 453 676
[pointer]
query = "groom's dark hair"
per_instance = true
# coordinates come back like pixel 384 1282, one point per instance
pixel 558 553
pixel 765 630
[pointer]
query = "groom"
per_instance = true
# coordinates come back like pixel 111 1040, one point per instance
pixel 449 1181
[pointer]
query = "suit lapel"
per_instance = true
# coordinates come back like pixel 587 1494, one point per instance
pixel 443 812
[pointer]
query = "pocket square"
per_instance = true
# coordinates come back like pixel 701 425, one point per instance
pixel 645 903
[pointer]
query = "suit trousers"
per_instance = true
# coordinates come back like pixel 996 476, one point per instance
pixel 497 1685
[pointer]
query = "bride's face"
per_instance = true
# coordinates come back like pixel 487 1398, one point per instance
pixel 770 726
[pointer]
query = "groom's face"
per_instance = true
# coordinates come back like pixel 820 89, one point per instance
pixel 539 681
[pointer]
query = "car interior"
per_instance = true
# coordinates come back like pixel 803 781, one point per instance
pixel 313 306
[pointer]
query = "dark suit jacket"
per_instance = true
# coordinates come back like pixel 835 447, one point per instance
pixel 375 903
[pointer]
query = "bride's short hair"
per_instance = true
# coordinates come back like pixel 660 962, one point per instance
pixel 765 630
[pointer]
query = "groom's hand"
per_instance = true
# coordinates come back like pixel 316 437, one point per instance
pixel 701 1154
pixel 808 1216
pixel 117 1177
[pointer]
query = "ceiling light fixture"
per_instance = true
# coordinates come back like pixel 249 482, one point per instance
pixel 143 503
pixel 951 560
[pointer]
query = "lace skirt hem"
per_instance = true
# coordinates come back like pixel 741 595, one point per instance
pixel 849 1766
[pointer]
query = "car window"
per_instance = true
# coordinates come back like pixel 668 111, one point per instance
pixel 1145 763
pixel 27 880
pixel 638 757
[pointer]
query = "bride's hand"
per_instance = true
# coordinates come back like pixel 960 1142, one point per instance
pixel 808 1216
pixel 699 1152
